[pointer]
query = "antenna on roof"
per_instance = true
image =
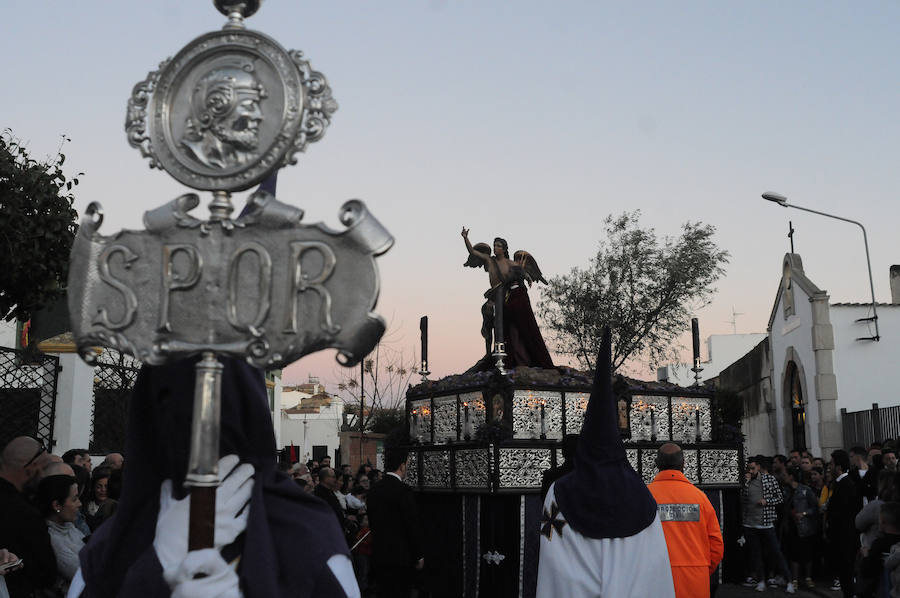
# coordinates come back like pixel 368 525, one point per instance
pixel 733 320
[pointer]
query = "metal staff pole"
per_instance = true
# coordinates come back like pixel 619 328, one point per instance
pixel 499 345
pixel 203 467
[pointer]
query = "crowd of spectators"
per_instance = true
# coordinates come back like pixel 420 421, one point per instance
pixel 345 492
pixel 836 521
pixel 51 505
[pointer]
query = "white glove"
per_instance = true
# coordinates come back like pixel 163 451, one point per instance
pixel 232 496
pixel 219 579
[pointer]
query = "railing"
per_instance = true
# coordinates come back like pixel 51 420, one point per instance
pixel 114 377
pixel 27 395
pixel 862 428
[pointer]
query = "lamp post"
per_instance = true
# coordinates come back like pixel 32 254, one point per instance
pixel 782 201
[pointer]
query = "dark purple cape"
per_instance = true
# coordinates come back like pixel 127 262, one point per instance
pixel 290 534
pixel 603 497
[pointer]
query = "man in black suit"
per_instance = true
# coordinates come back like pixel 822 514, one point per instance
pixel 843 506
pixel 325 490
pixel 22 529
pixel 397 543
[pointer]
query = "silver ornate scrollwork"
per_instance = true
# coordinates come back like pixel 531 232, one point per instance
pixel 527 415
pixel 444 419
pixel 420 420
pixel 648 464
pixel 493 558
pixel 172 290
pixel 522 467
pixel 230 108
pixel 576 405
pixel 720 467
pixel 690 466
pixel 687 413
pixel 473 468
pixel 436 469
pixel 475 402
pixel 649 418
pixel 320 106
pixel 632 455
pixel 412 469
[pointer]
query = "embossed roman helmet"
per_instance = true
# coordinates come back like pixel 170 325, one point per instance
pixel 218 92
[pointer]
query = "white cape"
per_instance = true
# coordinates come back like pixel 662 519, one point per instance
pixel 574 566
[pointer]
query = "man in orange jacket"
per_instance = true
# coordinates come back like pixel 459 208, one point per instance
pixel 690 524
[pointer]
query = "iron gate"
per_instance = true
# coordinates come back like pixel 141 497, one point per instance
pixel 114 377
pixel 27 395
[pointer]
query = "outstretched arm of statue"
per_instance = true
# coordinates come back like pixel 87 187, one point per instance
pixel 475 251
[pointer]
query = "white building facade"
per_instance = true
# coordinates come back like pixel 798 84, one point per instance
pixel 312 423
pixel 721 349
pixel 819 359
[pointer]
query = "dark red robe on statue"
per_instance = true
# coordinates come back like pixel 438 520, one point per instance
pixel 524 343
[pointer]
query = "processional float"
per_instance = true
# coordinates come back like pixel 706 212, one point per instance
pixel 225 113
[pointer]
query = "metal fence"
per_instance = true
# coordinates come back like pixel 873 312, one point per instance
pixel 27 395
pixel 861 428
pixel 114 377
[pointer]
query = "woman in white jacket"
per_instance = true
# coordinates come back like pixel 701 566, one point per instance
pixel 59 504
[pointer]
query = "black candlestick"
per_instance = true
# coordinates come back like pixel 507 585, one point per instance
pixel 695 336
pixel 423 329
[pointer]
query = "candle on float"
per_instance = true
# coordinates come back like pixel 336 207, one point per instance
pixel 543 420
pixel 697 423
pixel 466 420
pixel 423 329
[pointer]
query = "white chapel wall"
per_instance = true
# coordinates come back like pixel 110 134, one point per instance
pixel 866 371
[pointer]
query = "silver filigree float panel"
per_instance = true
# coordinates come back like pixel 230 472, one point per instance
pixel 264 286
pixel 412 469
pixel 691 420
pixel 720 467
pixel 444 421
pixel 537 413
pixel 476 413
pixel 649 418
pixel 473 468
pixel 420 420
pixel 231 107
pixel 436 469
pixel 690 466
pixel 522 467
pixel 576 405
pixel 632 455
pixel 648 465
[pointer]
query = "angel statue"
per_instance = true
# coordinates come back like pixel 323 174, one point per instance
pixel 524 343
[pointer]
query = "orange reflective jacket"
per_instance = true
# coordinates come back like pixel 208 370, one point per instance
pixel 692 532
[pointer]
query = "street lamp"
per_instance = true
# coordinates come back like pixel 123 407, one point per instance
pixel 782 201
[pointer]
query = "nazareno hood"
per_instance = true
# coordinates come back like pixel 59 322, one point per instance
pixel 603 497
pixel 290 534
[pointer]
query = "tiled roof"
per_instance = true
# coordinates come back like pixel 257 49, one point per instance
pixel 866 304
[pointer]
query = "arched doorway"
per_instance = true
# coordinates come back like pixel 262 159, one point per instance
pixel 796 406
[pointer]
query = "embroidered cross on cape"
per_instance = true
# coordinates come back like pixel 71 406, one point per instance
pixel 551 520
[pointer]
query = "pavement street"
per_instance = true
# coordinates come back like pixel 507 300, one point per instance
pixel 739 591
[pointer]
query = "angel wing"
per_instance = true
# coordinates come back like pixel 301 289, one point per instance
pixel 529 264
pixel 475 261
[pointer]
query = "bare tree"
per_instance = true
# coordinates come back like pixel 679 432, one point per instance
pixel 386 375
pixel 644 289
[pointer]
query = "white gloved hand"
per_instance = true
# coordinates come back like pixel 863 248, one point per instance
pixel 232 496
pixel 218 580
